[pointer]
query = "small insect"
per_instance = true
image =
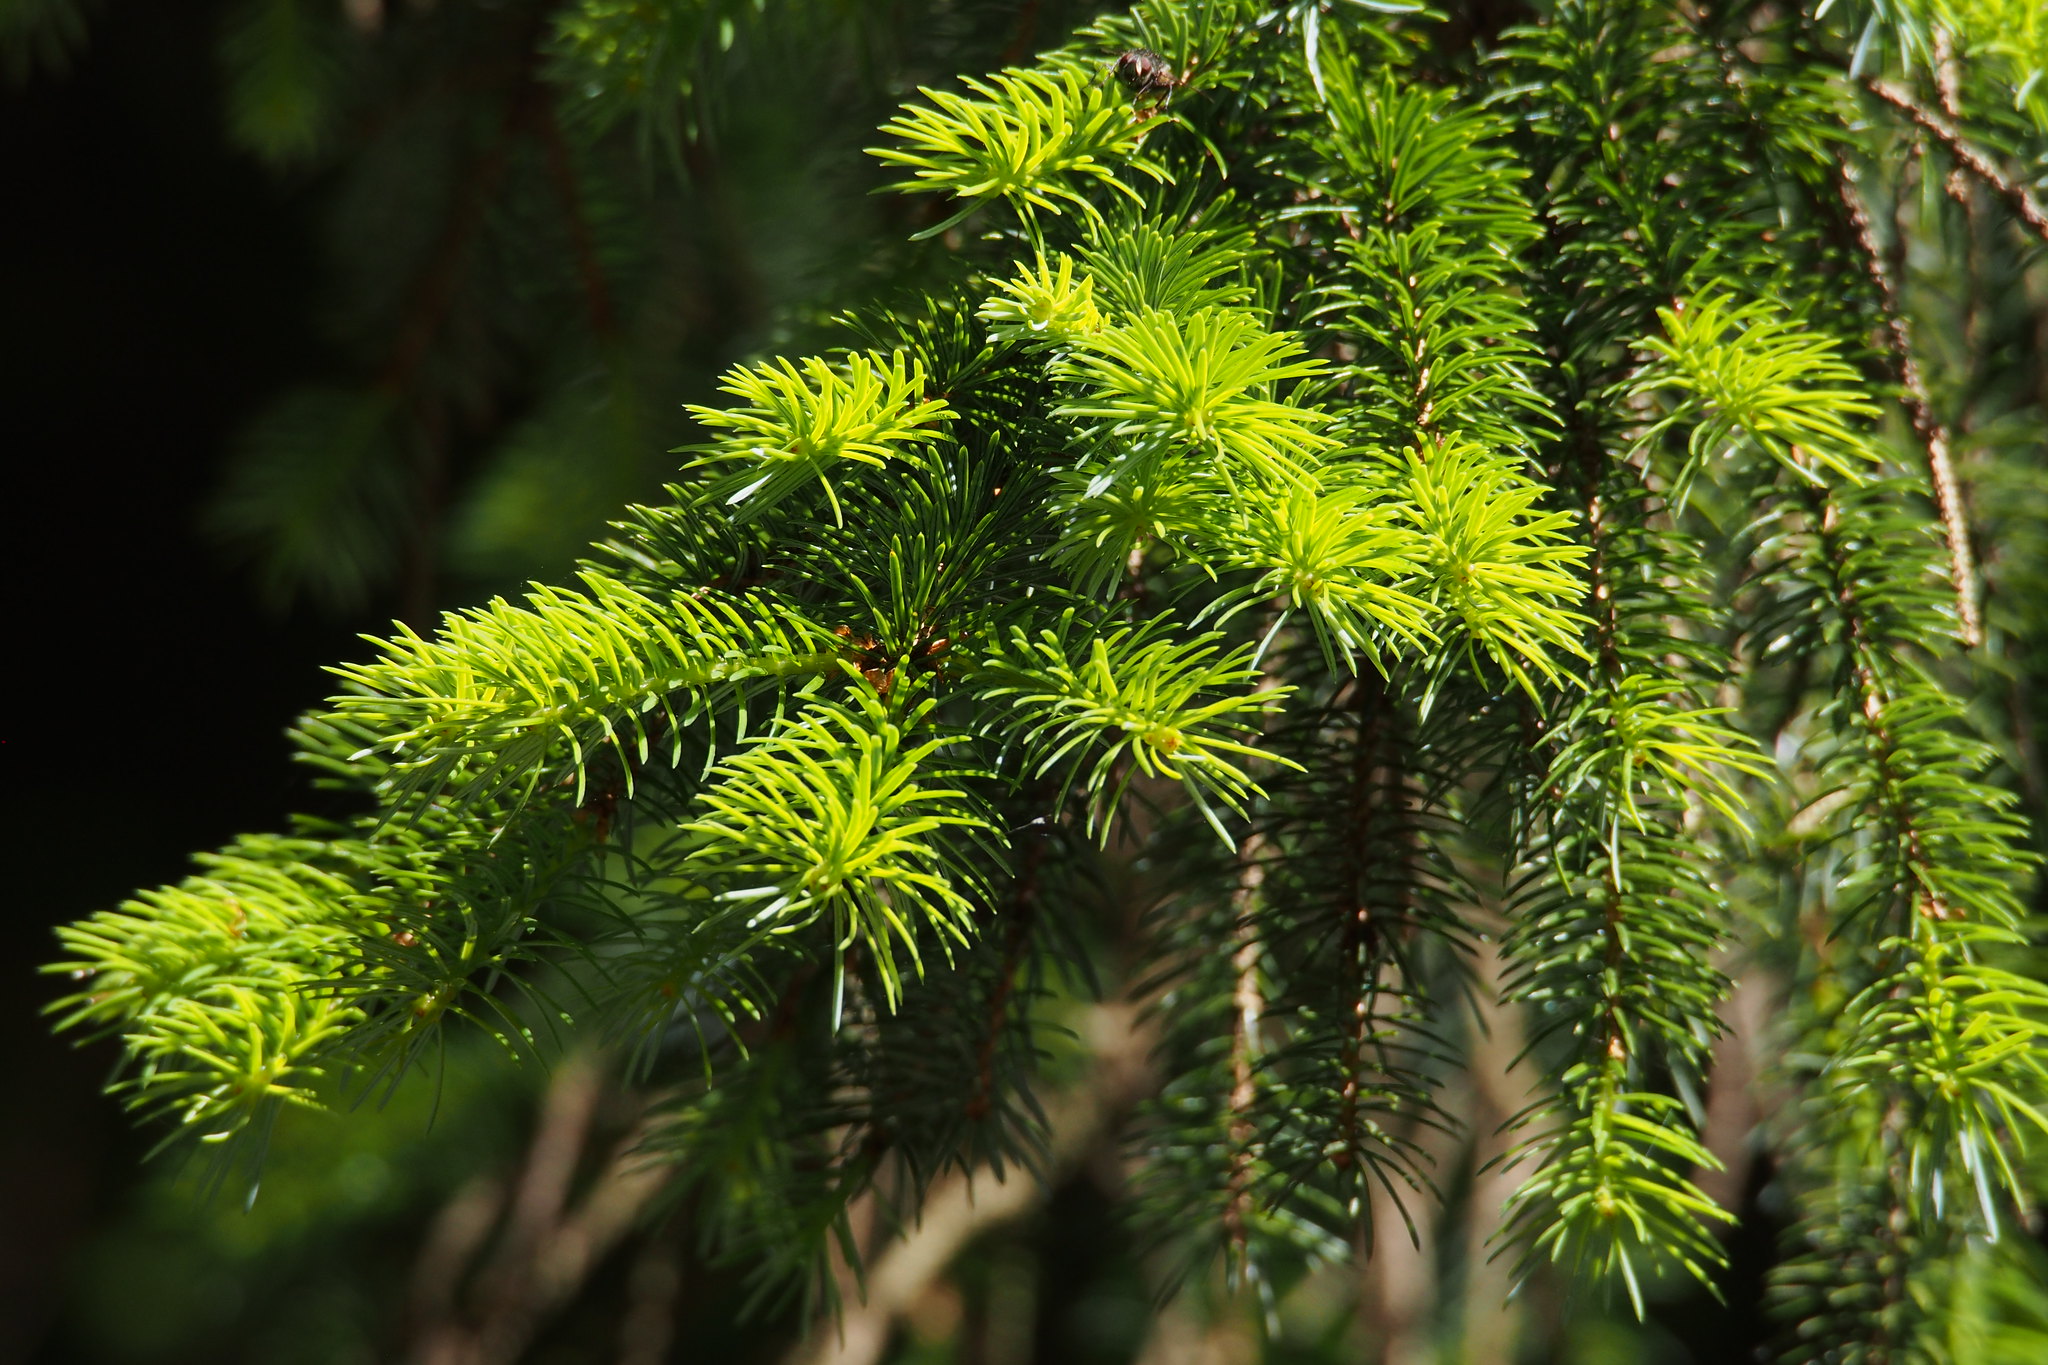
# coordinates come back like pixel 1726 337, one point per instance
pixel 1149 79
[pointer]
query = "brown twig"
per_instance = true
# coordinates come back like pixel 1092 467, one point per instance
pixel 1026 32
pixel 1856 221
pixel 452 1241
pixel 2025 207
pixel 1248 1004
pixel 1947 85
pixel 557 1148
pixel 1023 913
pixel 649 1326
pixel 549 1245
pixel 1850 229
pixel 962 1207
pixel 1360 934
pixel 1874 696
pixel 1934 435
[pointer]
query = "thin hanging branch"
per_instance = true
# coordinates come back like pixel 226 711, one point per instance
pixel 2024 206
pixel 1248 1005
pixel 1023 916
pixel 1933 433
pixel 597 294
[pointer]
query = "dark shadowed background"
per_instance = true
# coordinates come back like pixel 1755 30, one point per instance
pixel 155 291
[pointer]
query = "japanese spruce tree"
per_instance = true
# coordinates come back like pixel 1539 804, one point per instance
pixel 1398 543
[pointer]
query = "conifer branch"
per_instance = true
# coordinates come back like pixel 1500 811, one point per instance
pixel 1933 433
pixel 1943 130
pixel 1332 481
pixel 1022 912
pixel 1248 1007
pixel 1359 943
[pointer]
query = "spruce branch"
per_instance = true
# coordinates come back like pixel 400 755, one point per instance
pixel 1202 381
pixel 1933 433
pixel 1363 943
pixel 1338 556
pixel 1025 138
pixel 1378 805
pixel 1141 267
pixel 178 970
pixel 1943 129
pixel 1306 507
pixel 1926 1053
pixel 1248 1007
pixel 798 425
pixel 1493 562
pixel 1104 709
pixel 1751 370
pixel 1614 915
pixel 508 697
pixel 1043 306
pixel 838 815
